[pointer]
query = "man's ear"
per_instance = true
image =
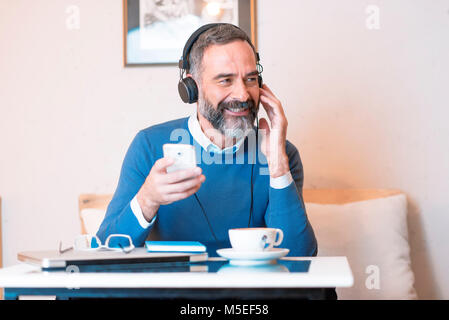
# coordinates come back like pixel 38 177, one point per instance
pixel 189 75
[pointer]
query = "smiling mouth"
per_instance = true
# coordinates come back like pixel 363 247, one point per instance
pixel 237 111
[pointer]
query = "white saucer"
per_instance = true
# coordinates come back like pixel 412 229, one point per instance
pixel 238 257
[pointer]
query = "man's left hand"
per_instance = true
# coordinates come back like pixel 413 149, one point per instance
pixel 274 138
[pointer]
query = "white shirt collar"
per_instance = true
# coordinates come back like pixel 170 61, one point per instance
pixel 204 141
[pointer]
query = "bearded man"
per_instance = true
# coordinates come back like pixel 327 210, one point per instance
pixel 236 184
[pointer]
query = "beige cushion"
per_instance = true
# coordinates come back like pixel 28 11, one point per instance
pixel 373 235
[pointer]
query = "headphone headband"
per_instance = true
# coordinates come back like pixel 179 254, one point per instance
pixel 184 61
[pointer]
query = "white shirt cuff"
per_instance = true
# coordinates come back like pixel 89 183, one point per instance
pixel 282 181
pixel 135 207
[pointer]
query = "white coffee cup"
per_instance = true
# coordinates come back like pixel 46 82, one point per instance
pixel 255 239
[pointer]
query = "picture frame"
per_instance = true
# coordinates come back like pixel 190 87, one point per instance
pixel 155 31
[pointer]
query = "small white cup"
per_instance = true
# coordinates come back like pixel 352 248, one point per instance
pixel 255 239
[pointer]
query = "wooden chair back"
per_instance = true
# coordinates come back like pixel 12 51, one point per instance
pixel 342 196
pixel 92 201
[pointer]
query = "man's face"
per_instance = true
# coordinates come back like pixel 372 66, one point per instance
pixel 229 90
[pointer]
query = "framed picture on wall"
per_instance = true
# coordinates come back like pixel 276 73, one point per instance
pixel 155 31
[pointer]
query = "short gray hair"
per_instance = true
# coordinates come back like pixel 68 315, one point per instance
pixel 221 34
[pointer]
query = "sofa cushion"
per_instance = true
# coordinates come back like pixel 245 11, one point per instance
pixel 373 235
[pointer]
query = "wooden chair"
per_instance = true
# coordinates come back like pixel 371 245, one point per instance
pixel 95 205
pixel 342 196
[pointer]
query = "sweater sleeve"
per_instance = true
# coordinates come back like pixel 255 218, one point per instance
pixel 119 216
pixel 286 211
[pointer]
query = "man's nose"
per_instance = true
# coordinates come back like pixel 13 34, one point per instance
pixel 240 91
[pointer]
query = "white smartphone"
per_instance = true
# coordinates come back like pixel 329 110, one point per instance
pixel 183 154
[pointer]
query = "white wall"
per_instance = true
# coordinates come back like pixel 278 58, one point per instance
pixel 367 108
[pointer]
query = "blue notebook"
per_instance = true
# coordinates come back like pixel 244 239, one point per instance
pixel 175 246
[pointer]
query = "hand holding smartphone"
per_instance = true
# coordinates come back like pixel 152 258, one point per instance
pixel 172 178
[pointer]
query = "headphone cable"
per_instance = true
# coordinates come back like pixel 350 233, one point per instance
pixel 252 189
pixel 205 216
pixel 252 169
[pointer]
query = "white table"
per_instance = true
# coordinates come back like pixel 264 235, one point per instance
pixel 324 272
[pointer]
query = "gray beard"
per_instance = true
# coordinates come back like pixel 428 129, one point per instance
pixel 232 126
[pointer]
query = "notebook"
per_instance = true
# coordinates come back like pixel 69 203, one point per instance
pixel 54 259
pixel 175 246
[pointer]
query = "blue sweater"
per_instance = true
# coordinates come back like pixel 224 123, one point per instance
pixel 225 196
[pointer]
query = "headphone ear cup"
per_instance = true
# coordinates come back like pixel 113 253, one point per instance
pixel 188 90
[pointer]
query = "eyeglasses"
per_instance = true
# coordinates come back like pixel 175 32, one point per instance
pixel 89 242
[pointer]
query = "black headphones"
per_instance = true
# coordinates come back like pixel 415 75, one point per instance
pixel 187 88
